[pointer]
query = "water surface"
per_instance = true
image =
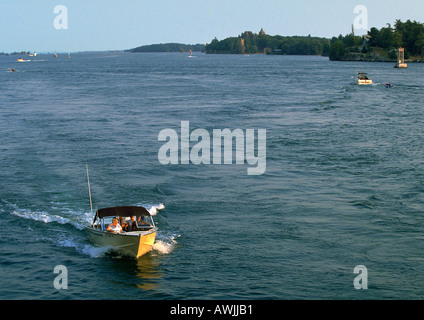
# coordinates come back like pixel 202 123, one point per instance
pixel 343 186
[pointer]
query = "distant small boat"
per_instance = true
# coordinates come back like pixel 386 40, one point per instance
pixel 363 78
pixel 12 70
pixel 55 55
pixel 21 60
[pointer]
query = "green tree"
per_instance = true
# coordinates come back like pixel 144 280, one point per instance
pixel 419 45
pixel 385 38
pixel 337 50
pixel 373 34
pixel 410 31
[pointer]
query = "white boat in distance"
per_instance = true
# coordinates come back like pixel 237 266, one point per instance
pixel 363 78
pixel 135 242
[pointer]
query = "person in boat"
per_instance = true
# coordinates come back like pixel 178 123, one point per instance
pixel 363 76
pixel 130 225
pixel 142 222
pixel 114 227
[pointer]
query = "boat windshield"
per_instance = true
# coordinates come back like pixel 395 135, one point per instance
pixel 142 222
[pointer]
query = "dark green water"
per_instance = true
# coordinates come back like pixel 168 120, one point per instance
pixel 343 185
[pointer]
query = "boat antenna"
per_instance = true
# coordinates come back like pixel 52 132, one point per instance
pixel 89 190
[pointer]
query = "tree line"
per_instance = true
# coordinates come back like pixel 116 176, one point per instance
pixel 377 43
pixel 251 43
pixel 169 47
pixel 385 41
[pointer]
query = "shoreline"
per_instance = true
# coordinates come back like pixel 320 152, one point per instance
pixel 377 60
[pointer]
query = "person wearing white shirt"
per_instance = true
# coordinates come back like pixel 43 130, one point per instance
pixel 114 227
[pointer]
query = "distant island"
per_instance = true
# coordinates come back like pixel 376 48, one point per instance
pixel 27 53
pixel 253 43
pixel 169 47
pixel 376 45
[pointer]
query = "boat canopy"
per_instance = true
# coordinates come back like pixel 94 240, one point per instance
pixel 127 211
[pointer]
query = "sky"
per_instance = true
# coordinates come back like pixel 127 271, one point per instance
pixel 96 25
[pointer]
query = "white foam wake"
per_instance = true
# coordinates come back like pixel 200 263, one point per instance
pixel 166 244
pixel 79 220
pixel 152 208
pixel 39 216
pixel 89 250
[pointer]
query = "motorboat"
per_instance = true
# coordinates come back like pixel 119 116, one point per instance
pixel 133 236
pixel 363 78
pixel 134 241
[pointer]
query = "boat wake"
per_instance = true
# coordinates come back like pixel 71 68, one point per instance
pixel 163 247
pixel 152 208
pixel 44 217
pixel 83 248
pixel 95 252
pixel 165 243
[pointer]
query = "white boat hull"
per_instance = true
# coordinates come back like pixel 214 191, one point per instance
pixel 134 244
